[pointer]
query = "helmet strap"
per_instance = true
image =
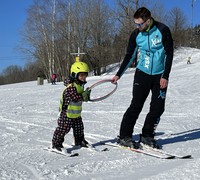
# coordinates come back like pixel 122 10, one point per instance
pixel 82 83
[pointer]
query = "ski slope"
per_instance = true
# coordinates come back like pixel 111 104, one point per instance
pixel 28 115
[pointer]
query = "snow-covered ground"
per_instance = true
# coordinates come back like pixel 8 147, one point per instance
pixel 28 119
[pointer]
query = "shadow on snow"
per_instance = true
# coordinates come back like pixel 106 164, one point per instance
pixel 171 138
pixel 181 137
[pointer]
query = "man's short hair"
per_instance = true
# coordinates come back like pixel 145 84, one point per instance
pixel 142 13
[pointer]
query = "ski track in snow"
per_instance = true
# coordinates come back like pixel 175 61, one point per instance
pixel 28 119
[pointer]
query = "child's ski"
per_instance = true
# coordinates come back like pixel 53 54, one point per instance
pixel 89 147
pixel 63 152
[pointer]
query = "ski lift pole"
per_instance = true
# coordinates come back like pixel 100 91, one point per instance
pixel 77 55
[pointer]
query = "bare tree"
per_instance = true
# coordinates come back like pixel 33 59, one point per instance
pixel 63 37
pixel 13 74
pixel 39 32
pixel 92 31
pixel 177 22
pixel 124 14
pixel 101 34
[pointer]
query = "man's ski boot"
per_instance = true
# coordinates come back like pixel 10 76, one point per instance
pixel 149 141
pixel 128 142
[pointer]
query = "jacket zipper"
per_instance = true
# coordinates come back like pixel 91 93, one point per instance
pixel 149 54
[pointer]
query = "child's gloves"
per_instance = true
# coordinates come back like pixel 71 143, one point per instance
pixel 86 95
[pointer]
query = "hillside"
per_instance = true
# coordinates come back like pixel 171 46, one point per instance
pixel 28 120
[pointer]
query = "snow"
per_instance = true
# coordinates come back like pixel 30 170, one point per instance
pixel 28 120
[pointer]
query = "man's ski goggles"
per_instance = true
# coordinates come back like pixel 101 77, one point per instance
pixel 140 24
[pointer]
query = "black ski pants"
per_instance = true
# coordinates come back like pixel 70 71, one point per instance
pixel 142 85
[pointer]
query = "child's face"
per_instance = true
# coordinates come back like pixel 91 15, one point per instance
pixel 82 76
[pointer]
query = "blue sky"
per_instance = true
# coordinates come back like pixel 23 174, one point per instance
pixel 186 6
pixel 13 16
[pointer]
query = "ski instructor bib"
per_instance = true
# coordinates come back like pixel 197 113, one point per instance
pixel 74 108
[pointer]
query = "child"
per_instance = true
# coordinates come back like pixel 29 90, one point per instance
pixel 71 106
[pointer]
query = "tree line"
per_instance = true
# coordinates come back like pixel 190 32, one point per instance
pixel 56 28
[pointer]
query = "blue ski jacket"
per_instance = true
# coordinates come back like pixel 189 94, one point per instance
pixel 154 48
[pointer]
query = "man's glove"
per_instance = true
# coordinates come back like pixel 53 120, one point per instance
pixel 86 95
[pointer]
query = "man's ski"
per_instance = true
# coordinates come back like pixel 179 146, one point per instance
pixel 63 152
pixel 167 153
pixel 145 152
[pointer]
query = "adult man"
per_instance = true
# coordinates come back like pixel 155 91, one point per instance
pixel 154 43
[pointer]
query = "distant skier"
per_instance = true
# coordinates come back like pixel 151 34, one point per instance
pixel 189 60
pixel 53 78
pixel 71 106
